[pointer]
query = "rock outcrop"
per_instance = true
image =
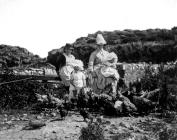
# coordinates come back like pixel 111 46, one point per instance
pixel 12 56
pixel 131 46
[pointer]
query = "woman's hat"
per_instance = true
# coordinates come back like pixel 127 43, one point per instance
pixel 100 39
pixel 68 47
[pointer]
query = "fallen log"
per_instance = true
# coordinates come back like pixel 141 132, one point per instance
pixel 151 94
pixel 20 74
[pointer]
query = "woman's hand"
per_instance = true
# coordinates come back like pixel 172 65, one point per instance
pixel 109 63
pixel 90 69
pixel 106 64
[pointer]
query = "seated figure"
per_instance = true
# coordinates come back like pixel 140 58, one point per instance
pixel 102 67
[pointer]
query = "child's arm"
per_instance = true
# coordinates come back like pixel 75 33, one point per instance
pixel 84 80
pixel 72 79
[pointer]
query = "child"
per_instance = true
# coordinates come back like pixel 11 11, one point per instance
pixel 77 82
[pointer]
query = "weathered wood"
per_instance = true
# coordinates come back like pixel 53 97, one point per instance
pixel 36 77
pixel 150 94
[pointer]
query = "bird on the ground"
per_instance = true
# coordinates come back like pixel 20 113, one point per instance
pixel 63 113
pixel 128 106
pixel 67 104
pixel 54 101
pixel 85 114
pixel 34 124
pixel 99 119
pixel 82 101
pixel 41 98
pixel 93 101
pixel 144 105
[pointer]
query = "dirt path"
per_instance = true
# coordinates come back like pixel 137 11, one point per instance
pixel 69 129
pixel 60 129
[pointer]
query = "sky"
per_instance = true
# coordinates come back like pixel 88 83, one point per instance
pixel 43 25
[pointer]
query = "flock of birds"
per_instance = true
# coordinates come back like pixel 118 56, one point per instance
pixel 89 102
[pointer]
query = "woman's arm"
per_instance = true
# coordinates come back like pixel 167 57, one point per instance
pixel 115 58
pixel 72 79
pixel 91 61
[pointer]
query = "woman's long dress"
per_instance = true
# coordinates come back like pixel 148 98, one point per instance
pixel 103 73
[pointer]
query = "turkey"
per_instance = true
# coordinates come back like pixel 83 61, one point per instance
pixel 55 102
pixel 128 107
pixel 85 114
pixel 109 109
pixel 34 124
pixel 93 101
pixel 41 98
pixel 83 98
pixel 42 102
pixel 105 102
pixel 63 113
pixel 143 105
pixel 118 106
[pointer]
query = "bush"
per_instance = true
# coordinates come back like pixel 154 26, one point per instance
pixel 168 134
pixel 21 94
pixel 94 131
pixel 161 78
pixel 150 79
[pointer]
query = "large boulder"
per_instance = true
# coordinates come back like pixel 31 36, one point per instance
pixel 132 46
pixel 12 56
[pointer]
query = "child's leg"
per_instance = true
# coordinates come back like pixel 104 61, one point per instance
pixel 78 91
pixel 71 89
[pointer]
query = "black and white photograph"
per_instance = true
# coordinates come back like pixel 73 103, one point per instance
pixel 88 69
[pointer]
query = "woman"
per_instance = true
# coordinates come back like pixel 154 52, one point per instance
pixel 102 65
pixel 66 70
